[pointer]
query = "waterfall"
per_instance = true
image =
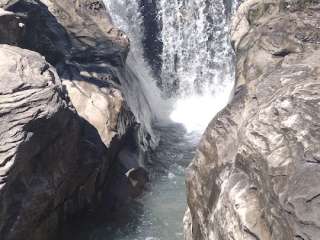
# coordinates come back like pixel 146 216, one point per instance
pixel 196 50
pixel 179 68
pixel 137 80
pixel 127 16
pixel 197 59
pixel 196 73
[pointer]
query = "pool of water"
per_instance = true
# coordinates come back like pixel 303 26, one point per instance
pixel 158 214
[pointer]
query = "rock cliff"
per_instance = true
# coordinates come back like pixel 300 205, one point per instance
pixel 256 173
pixel 67 132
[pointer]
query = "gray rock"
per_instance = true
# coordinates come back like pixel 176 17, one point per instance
pixel 256 173
pixel 60 139
pixel 53 163
pixel 36 125
pixel 65 31
pixel 89 53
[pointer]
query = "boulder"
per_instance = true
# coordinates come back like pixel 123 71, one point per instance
pixel 62 128
pixel 40 135
pixel 80 41
pixel 256 171
pixel 54 164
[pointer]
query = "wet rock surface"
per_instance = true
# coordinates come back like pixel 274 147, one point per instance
pixel 256 172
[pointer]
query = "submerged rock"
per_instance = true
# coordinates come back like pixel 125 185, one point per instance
pixel 256 172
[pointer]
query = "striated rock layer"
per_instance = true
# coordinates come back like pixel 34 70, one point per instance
pixel 257 170
pixel 70 143
pixel 40 143
pixel 78 38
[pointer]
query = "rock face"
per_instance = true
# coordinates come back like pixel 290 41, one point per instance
pixel 37 170
pixel 67 132
pixel 11 28
pixel 87 50
pixel 256 173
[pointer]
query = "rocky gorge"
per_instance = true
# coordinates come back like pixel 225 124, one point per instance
pixel 78 125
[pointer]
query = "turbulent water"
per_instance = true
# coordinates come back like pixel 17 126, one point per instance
pixel 127 16
pixel 197 58
pixel 180 62
pixel 196 54
pixel 196 67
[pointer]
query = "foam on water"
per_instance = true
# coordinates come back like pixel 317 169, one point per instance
pixel 197 59
pixel 196 111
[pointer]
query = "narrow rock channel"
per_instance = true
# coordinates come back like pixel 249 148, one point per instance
pixel 158 213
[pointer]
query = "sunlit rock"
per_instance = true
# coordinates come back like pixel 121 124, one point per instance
pixel 256 172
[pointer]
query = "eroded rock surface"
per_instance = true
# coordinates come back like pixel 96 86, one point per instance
pixel 256 173
pixel 37 124
pixel 62 129
pixel 89 53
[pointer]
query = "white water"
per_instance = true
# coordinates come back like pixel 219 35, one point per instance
pixel 196 111
pixel 196 48
pixel 126 16
pixel 198 56
pixel 197 69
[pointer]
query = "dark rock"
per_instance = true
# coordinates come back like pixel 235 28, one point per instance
pixel 63 31
pixel 138 178
pixel 89 53
pixel 37 170
pixel 12 28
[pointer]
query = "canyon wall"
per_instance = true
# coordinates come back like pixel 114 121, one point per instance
pixel 256 173
pixel 70 141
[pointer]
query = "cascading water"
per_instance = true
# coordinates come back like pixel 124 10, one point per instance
pixel 194 71
pixel 196 53
pixel 127 16
pixel 197 59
